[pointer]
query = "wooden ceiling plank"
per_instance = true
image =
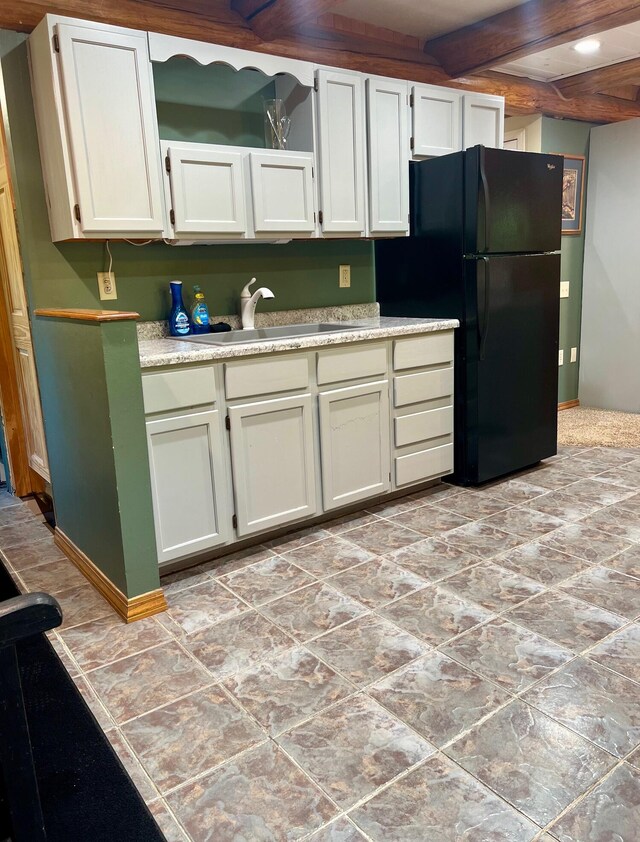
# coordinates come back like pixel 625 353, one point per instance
pixel 271 19
pixel 525 29
pixel 602 79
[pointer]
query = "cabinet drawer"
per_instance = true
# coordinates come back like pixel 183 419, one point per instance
pixel 265 376
pixel 421 351
pixel 421 426
pixel 425 386
pixel 167 390
pixel 351 363
pixel 425 464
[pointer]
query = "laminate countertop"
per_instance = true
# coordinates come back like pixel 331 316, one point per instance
pixel 164 351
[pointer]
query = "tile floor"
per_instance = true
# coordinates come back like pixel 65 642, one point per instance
pixel 457 664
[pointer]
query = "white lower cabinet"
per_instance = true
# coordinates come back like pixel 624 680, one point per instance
pixel 273 458
pixel 354 443
pixel 191 501
pixel 279 438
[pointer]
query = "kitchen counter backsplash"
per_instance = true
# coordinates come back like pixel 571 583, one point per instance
pixel 313 315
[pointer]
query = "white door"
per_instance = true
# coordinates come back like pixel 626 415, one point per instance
pixel 207 189
pixel 341 136
pixel 110 110
pixel 387 101
pixel 436 121
pixel 282 192
pixel 354 443
pixel 188 484
pixel 482 120
pixel 272 452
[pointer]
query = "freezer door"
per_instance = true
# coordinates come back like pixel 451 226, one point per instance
pixel 508 411
pixel 513 201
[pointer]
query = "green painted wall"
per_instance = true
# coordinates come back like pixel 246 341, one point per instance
pixel 92 397
pixel 570 137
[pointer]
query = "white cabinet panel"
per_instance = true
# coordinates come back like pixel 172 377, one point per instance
pixel 354 443
pixel 436 121
pixel 387 101
pixel 341 135
pixel 207 189
pixel 110 115
pixel 482 120
pixel 272 451
pixel 188 484
pixel 282 192
pixel 424 465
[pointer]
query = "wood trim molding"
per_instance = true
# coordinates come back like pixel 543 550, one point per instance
pixel 86 315
pixel 136 608
pixel 568 404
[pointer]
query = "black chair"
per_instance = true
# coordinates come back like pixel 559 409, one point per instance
pixel 21 617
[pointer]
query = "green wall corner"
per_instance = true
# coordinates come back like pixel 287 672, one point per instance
pixel 572 138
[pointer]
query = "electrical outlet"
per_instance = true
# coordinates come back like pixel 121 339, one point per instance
pixel 107 286
pixel 560 357
pixel 564 289
pixel 345 276
pixel 574 355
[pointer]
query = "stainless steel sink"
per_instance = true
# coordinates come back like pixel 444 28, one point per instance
pixel 240 337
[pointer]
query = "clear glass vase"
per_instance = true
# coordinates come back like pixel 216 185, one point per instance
pixel 276 124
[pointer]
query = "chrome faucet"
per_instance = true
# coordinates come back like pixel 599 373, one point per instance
pixel 248 303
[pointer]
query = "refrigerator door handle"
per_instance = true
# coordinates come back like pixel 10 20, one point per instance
pixel 487 202
pixel 483 327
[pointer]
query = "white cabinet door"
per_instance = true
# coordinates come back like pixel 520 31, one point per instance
pixel 188 484
pixel 110 111
pixel 354 443
pixel 436 121
pixel 282 192
pixel 387 101
pixel 207 189
pixel 341 136
pixel 272 452
pixel 482 120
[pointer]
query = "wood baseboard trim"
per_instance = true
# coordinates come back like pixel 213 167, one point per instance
pixel 130 610
pixel 568 405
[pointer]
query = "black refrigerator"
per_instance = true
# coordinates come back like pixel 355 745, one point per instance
pixel 484 248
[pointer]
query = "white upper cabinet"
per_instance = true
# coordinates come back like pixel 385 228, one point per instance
pixel 436 121
pixel 341 163
pixel 387 129
pixel 482 120
pixel 282 192
pixel 207 191
pixel 96 113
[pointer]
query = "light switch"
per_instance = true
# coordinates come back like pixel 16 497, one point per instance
pixel 560 357
pixel 564 289
pixel 574 355
pixel 345 275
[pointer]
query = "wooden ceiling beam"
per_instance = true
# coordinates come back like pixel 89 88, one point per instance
pixel 602 79
pixel 221 26
pixel 271 19
pixel 335 31
pixel 525 29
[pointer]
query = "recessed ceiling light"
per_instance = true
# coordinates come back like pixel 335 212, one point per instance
pixel 588 46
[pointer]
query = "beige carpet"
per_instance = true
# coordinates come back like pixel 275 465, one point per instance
pixel 587 427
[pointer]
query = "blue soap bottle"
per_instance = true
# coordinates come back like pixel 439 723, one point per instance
pixel 178 316
pixel 199 312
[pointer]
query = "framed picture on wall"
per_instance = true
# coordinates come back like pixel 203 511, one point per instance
pixel 572 194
